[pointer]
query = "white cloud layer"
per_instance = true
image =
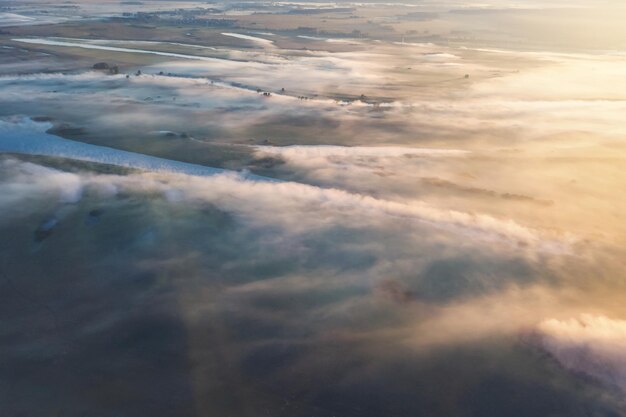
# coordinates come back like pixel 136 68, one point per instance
pixel 594 346
pixel 256 197
pixel 301 153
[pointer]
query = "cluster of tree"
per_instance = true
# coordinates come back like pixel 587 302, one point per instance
pixel 103 66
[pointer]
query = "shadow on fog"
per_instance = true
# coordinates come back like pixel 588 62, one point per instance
pixel 135 305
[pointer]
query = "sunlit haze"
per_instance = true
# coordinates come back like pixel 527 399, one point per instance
pixel 313 209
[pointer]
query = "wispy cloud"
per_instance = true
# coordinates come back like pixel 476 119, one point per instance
pixel 594 346
pixel 262 196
